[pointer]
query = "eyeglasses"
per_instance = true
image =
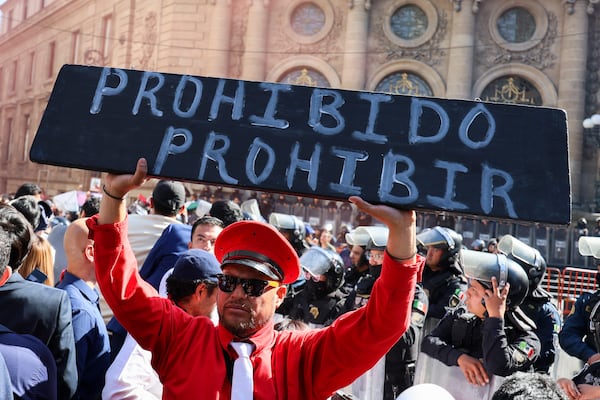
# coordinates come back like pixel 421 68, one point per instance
pixel 252 287
pixel 375 256
pixel 310 276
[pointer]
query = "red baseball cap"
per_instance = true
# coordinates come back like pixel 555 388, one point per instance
pixel 260 246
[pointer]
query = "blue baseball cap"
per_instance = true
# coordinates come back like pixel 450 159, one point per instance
pixel 196 264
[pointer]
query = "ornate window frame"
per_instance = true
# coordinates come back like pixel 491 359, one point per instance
pixel 428 74
pixel 432 22
pixel 315 63
pixel 327 8
pixel 536 10
pixel 542 83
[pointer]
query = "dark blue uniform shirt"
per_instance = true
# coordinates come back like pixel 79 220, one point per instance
pixel 575 337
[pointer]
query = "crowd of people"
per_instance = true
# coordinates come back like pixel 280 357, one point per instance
pixel 173 299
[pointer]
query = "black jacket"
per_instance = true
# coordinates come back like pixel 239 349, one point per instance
pixel 503 348
pixel 44 312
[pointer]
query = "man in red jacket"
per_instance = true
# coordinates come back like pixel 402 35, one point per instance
pixel 195 359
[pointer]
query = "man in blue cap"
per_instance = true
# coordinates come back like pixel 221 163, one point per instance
pixel 192 286
pixel 244 356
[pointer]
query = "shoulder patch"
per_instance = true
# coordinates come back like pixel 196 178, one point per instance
pixel 524 352
pixel 419 306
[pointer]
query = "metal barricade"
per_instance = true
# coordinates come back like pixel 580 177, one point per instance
pixel 574 282
pixel 552 282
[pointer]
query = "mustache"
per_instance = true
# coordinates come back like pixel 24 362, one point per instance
pixel 241 304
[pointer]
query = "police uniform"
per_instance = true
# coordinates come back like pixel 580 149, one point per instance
pixel 362 291
pixel 503 348
pixel 547 319
pixel 317 312
pixel 575 337
pixel 440 286
pixel 400 360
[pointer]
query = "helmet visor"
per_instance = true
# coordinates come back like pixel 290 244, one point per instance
pixel 483 266
pixel 363 235
pixel 436 237
pixel 316 261
pixel 283 221
pixel 589 246
pixel 516 249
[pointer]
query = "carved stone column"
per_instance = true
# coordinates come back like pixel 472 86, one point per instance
pixel 571 86
pixel 355 46
pixel 218 41
pixel 462 43
pixel 253 60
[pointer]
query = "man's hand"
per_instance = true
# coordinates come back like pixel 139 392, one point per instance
pixel 495 299
pixel 593 359
pixel 402 225
pixel 569 387
pixel 112 208
pixel 120 185
pixel 588 392
pixel 473 370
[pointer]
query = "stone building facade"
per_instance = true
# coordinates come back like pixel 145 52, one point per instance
pixel 534 52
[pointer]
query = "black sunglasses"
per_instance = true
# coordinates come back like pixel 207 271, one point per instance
pixel 252 287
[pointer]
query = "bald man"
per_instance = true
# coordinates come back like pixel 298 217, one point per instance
pixel 91 337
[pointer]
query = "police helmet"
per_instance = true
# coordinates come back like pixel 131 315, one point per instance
pixel 441 237
pixel 483 266
pixel 292 225
pixel 527 257
pixel 363 234
pixel 319 261
pixel 446 239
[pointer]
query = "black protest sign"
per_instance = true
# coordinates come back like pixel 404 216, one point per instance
pixel 494 160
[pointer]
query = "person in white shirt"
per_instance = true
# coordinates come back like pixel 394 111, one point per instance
pixel 191 285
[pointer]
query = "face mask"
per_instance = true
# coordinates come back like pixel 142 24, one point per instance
pixel 316 290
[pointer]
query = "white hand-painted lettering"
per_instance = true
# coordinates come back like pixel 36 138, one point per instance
pixel 346 182
pixel 256 147
pixel 318 108
pixel 311 165
pixel 212 152
pixel 103 90
pixel 149 93
pixel 268 119
pixel 488 191
pixel 179 96
pixel 389 176
pixel 369 134
pixel 447 202
pixel 237 101
pixel 463 133
pixel 168 146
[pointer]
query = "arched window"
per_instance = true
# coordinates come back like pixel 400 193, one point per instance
pixel 512 90
pixel 404 83
pixel 305 76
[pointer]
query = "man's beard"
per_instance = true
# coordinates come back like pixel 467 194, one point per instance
pixel 245 328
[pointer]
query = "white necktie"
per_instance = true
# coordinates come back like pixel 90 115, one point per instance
pixel 242 383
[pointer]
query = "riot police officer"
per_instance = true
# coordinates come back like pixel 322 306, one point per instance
pixel 537 305
pixel 359 262
pixel 443 276
pixel 400 360
pixel 321 301
pixel 294 231
pixel 488 334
